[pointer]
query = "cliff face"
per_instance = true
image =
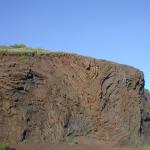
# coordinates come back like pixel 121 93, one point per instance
pixel 49 98
pixel 146 117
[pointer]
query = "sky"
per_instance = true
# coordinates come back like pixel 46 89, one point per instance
pixel 116 30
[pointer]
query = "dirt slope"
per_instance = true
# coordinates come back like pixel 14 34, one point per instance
pixel 49 98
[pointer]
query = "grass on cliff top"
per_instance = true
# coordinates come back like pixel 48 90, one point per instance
pixel 22 49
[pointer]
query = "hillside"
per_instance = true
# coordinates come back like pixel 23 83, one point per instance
pixel 50 97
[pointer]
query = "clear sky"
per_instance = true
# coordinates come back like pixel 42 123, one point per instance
pixel 117 30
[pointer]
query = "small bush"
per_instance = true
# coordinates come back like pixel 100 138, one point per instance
pixel 24 142
pixel 71 141
pixel 4 147
pixel 146 147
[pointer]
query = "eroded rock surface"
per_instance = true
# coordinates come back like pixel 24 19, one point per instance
pixel 146 117
pixel 49 98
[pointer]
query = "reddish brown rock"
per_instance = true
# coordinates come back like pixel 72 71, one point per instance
pixel 50 97
pixel 146 118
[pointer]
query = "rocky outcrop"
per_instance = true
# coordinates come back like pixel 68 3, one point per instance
pixel 146 117
pixel 51 97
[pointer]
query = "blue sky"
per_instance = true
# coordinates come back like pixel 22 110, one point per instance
pixel 117 30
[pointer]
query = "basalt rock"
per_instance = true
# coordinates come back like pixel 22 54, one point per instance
pixel 49 98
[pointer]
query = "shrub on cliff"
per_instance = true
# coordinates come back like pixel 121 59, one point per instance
pixel 4 147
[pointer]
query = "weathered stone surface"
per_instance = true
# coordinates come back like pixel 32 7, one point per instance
pixel 48 98
pixel 146 118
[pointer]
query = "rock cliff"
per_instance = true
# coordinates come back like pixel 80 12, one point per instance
pixel 47 98
pixel 146 118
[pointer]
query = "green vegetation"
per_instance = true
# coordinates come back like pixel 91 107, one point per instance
pixel 18 46
pixel 24 142
pixel 146 147
pixel 13 46
pixel 4 147
pixel 71 141
pixel 24 50
pixel 127 148
pixel 21 49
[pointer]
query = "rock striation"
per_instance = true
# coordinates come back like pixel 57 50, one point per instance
pixel 48 98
